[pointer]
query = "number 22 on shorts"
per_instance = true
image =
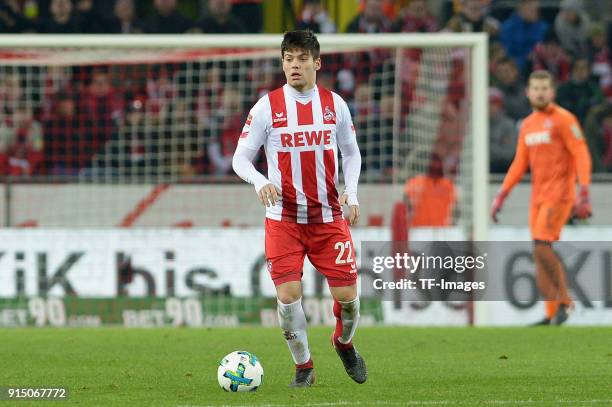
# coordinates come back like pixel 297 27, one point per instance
pixel 342 247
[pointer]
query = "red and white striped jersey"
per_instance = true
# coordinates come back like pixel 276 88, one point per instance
pixel 300 133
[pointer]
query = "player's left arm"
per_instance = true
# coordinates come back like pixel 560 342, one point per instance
pixel 573 138
pixel 351 160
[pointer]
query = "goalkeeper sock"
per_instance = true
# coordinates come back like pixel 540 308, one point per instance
pixel 347 317
pixel 551 308
pixel 293 323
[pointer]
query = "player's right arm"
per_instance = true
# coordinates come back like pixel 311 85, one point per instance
pixel 253 136
pixel 517 169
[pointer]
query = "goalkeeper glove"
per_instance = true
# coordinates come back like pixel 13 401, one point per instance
pixel 582 208
pixel 497 204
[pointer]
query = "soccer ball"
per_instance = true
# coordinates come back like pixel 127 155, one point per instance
pixel 240 371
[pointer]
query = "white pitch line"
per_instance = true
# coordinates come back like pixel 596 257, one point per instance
pixel 413 403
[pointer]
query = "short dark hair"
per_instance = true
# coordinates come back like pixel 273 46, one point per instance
pixel 541 74
pixel 304 40
pixel 507 60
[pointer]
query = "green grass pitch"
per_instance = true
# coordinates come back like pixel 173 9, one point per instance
pixel 407 366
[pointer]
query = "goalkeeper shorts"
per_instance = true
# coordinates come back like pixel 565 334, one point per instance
pixel 329 248
pixel 547 219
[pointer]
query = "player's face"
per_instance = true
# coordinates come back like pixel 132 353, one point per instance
pixel 300 69
pixel 540 93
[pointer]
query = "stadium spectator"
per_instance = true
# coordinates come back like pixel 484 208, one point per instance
pixel 449 140
pixel 457 86
pixel 64 134
pixel 124 19
pixel 11 92
pixel 62 19
pixel 101 106
pixel 166 19
pixel 227 123
pixel 55 79
pixel 21 143
pixel 572 26
pixel 250 13
pixel 371 20
pixel 390 8
pixel 357 66
pixel 599 54
pixel 219 19
pixel 374 118
pixel 383 134
pixel 580 93
pixel 472 18
pixel 415 17
pixel 90 19
pixel 209 96
pixel 598 134
pixel 548 55
pixel 506 77
pixel 497 53
pixel 130 152
pixel 178 144
pixel 12 19
pixel 430 198
pixel 314 17
pixel 522 31
pixel 364 108
pixel 160 90
pixel 502 133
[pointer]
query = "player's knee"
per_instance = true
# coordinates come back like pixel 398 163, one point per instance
pixel 344 294
pixel 289 292
pixel 288 298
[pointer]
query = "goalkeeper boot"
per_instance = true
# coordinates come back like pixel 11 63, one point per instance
pixel 543 322
pixel 353 363
pixel 303 378
pixel 562 314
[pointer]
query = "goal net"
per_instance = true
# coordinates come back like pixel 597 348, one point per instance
pixel 131 132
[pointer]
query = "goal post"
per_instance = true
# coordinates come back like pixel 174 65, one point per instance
pixel 115 50
pixel 130 211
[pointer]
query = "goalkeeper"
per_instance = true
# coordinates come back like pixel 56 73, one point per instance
pixel 552 146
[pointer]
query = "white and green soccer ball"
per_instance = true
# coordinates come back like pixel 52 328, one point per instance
pixel 240 371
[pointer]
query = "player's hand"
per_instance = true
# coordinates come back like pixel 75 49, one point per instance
pixel 497 204
pixel 353 217
pixel 583 208
pixel 269 195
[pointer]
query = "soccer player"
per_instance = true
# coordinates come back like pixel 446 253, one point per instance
pixel 302 126
pixel 551 144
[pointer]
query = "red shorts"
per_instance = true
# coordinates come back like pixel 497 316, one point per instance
pixel 329 248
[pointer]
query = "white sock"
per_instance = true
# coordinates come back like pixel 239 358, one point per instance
pixel 350 319
pixel 293 323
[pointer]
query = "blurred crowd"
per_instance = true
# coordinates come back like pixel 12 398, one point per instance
pixel 107 120
pixel 128 16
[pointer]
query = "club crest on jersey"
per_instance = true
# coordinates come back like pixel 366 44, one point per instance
pixel 279 117
pixel 249 120
pixel 328 115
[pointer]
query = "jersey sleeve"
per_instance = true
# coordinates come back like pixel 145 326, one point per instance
pixel 519 165
pixel 345 131
pixel 573 138
pixel 256 128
